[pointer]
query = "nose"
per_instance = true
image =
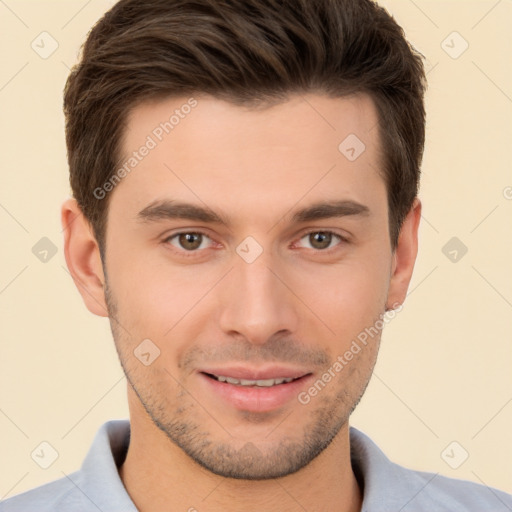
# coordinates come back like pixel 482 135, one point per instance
pixel 256 302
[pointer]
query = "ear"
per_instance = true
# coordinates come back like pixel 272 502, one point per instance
pixel 83 257
pixel 404 257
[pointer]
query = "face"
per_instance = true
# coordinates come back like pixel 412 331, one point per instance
pixel 250 252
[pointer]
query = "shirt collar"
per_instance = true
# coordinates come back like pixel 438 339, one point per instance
pixel 99 477
pixel 383 482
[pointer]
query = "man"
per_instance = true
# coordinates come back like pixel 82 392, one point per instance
pixel 245 209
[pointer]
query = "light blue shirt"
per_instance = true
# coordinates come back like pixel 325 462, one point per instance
pixel 388 487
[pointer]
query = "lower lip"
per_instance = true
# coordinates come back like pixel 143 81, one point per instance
pixel 255 398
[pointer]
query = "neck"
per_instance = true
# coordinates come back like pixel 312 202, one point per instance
pixel 160 477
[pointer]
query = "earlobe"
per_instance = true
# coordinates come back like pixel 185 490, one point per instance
pixel 83 257
pixel 404 257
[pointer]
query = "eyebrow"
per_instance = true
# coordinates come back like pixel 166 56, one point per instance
pixel 171 209
pixel 329 210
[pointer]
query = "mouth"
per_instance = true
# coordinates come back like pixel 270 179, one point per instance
pixel 254 390
pixel 262 383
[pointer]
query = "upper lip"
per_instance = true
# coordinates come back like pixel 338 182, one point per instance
pixel 250 373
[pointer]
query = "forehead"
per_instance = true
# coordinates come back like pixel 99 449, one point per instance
pixel 205 148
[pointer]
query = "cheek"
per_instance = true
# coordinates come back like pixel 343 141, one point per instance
pixel 158 300
pixel 154 296
pixel 348 295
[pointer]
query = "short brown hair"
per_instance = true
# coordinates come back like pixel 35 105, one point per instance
pixel 247 52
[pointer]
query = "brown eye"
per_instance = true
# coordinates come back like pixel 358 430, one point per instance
pixel 320 240
pixel 189 241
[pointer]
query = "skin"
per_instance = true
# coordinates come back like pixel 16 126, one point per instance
pixel 298 303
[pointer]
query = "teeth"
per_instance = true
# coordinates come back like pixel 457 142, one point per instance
pixel 265 383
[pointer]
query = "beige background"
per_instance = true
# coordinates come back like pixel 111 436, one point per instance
pixel 444 372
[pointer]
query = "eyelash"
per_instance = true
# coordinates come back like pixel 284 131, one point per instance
pixel 194 253
pixel 184 252
pixel 342 240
